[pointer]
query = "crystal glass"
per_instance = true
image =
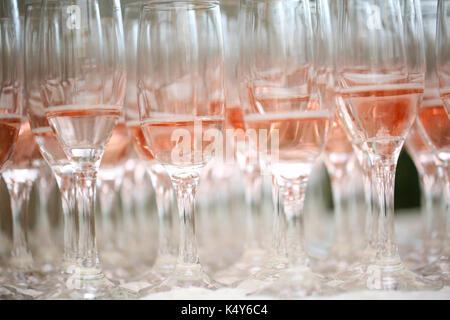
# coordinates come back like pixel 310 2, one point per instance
pixel 252 258
pixel 82 85
pixel 432 188
pixel 20 163
pixel 166 252
pixel 50 149
pixel 181 103
pixel 380 81
pixel 340 162
pixel 433 110
pixel 286 78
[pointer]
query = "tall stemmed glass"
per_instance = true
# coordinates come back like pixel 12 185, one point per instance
pixel 340 161
pixel 181 103
pixel 380 72
pixel 432 116
pixel 166 254
pixel 284 87
pixel 432 193
pixel 45 138
pixel 252 258
pixel 10 84
pixel 82 82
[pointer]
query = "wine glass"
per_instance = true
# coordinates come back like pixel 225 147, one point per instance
pixel 285 79
pixel 431 186
pixel 181 104
pixel 252 258
pixel 48 144
pixel 166 252
pixel 11 113
pixel 340 162
pixel 82 85
pixel 432 114
pixel 380 72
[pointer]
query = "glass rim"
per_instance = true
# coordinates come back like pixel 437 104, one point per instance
pixel 180 4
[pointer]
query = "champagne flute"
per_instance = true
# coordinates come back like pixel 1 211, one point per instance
pixel 432 115
pixel 82 80
pixel 252 258
pixel 339 160
pixel 48 144
pixel 284 85
pixel 431 186
pixel 166 255
pixel 380 72
pixel 24 162
pixel 181 104
pixel 10 94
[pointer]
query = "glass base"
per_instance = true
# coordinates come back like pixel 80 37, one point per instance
pixel 439 269
pixel 297 283
pixel 337 261
pixel 250 263
pixel 183 277
pixel 25 284
pixel 88 284
pixel 272 269
pixel 389 276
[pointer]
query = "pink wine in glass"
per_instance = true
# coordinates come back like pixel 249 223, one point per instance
pixel 9 132
pixel 179 140
pixel 118 146
pixel 381 115
pixel 138 139
pixel 26 153
pixel 434 119
pixel 338 149
pixel 82 129
pixel 301 134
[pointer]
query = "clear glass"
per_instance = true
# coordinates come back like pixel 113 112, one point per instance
pixel 340 162
pixel 380 81
pixel 433 110
pixel 285 78
pixel 181 103
pixel 19 158
pixel 51 151
pixel 432 193
pixel 252 258
pixel 82 84
pixel 166 252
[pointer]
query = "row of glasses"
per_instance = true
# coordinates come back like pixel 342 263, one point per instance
pixel 283 78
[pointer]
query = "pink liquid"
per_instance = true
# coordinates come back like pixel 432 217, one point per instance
pixel 172 140
pixel 9 132
pixel 381 115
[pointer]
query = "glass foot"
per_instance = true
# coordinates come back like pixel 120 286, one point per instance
pixel 439 269
pixel 272 269
pixel 88 284
pixel 297 283
pixel 25 284
pixel 251 262
pixel 183 277
pixel 336 262
pixel 387 276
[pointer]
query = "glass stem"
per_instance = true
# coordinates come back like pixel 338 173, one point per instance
pixel 432 211
pixel 289 227
pixel 164 201
pixel 383 229
pixel 253 206
pixel 342 236
pixel 70 223
pixel 85 183
pixel 185 189
pixel 19 192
